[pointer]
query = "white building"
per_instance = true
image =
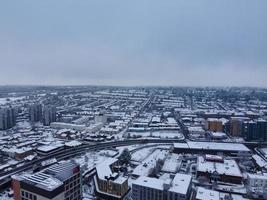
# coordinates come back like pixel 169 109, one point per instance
pixel 180 187
pixel 145 188
pixel 257 180
pixel 206 194
pixel 227 170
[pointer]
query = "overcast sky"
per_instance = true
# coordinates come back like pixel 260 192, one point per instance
pixel 137 42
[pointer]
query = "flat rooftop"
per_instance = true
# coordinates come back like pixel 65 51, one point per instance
pixel 220 146
pixel 228 167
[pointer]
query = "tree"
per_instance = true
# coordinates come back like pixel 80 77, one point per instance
pixel 125 156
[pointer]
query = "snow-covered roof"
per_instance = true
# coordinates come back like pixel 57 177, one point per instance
pixel 257 176
pixel 260 161
pixel 103 169
pixel 181 183
pixel 217 146
pixel 73 143
pixel 206 194
pixel 228 167
pixel 41 180
pixel 47 148
pixel 153 183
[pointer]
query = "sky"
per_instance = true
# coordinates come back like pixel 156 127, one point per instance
pixel 132 43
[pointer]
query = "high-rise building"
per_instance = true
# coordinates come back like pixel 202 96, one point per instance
pixel 7 118
pixel 35 112
pixel 262 129
pixel 255 130
pixel 237 125
pixel 49 115
pixel 250 131
pixel 214 125
pixel 61 181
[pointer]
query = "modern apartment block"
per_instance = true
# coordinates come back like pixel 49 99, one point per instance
pixel 7 118
pixel 61 181
pixel 35 112
pixel 49 115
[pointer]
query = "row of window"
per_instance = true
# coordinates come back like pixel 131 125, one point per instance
pixel 27 195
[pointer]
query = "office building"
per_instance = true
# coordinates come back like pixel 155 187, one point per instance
pixel 61 181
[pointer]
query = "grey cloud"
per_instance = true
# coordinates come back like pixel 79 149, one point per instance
pixel 134 43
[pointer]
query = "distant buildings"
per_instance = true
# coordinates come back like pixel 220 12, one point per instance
pixel 35 112
pixel 236 125
pixel 145 188
pixel 210 148
pixel 255 130
pixel 100 118
pixel 214 125
pixel 61 181
pixel 7 118
pixel 49 115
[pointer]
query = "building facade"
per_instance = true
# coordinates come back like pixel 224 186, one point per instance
pixel 35 112
pixel 7 118
pixel 109 183
pixel 175 188
pixel 49 115
pixel 61 181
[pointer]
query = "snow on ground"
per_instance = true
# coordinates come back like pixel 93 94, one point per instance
pixel 108 153
pixel 89 160
pixel 144 151
pixel 130 147
pixel 150 162
pixel 5 195
pixel 172 163
pixel 142 154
